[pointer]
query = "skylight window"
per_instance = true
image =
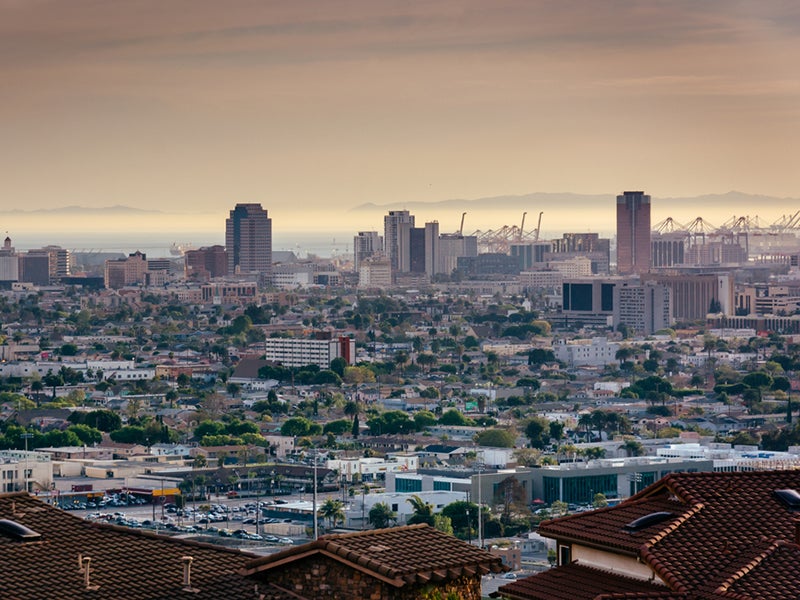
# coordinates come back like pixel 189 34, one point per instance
pixel 790 497
pixel 17 531
pixel 648 520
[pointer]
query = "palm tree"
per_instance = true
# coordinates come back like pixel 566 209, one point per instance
pixel 381 515
pixel 599 419
pixel 423 511
pixel 633 448
pixel 351 409
pixel 400 359
pixel 333 511
pixel 585 423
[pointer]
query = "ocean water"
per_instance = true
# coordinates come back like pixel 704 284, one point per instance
pixel 156 245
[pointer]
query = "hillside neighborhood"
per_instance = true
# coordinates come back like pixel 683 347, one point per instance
pixel 479 415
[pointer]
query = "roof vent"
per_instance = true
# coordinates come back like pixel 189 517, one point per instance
pixel 87 571
pixel 647 520
pixel 187 575
pixel 789 497
pixel 18 531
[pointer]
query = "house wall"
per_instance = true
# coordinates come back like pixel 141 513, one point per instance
pixel 321 578
pixel 624 565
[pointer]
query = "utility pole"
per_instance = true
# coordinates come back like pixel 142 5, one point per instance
pixel 469 526
pixel 314 499
pixel 258 506
pixel 480 509
pixel 363 503
pixel 26 437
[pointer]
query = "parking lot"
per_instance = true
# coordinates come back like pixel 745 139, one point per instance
pixel 231 520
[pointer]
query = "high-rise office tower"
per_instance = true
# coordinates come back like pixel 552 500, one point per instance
pixel 365 244
pixel 416 250
pixel 432 248
pixel 248 241
pixel 396 234
pixel 633 233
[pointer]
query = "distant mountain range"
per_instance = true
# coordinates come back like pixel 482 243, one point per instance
pixel 84 210
pixel 737 202
pixel 732 203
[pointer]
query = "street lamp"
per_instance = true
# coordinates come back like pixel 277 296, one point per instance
pixel 480 507
pixel 258 505
pixel 26 437
pixel 469 526
pixel 314 499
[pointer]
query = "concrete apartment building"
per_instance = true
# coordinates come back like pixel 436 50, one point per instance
pixel 291 352
pixel 365 244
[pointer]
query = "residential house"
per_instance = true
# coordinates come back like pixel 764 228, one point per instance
pixel 399 563
pixel 704 536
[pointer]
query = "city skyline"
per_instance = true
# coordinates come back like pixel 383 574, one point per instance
pixel 198 106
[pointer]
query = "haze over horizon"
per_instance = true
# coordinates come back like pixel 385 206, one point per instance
pixel 192 106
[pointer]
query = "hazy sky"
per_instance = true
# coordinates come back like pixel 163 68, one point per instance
pixel 199 104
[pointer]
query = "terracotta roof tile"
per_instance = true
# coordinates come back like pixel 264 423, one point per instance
pixel 730 538
pixel 575 581
pixel 414 553
pixel 738 520
pixel 124 563
pixel 607 527
pixel 773 574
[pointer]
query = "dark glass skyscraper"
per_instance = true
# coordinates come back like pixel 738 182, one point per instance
pixel 248 241
pixel 633 233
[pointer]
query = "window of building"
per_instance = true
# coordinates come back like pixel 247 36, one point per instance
pixel 564 555
pixel 405 486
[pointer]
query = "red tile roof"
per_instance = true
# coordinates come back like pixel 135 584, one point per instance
pixel 728 536
pixel 577 581
pixel 773 574
pixel 737 518
pixel 124 563
pixel 398 555
pixel 606 528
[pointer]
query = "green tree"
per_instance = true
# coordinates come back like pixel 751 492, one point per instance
pixel 537 430
pixel 130 434
pixel 556 430
pixel 463 516
pixel 299 427
pixel 423 419
pixel 443 524
pixel 454 417
pixel 332 510
pixel 423 511
pixel 496 438
pixel 757 379
pixel 338 427
pixel 338 365
pixel 89 436
pixel 104 420
pixel 633 448
pixel 381 515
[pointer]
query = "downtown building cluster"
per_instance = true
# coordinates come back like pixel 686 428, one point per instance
pixel 645 279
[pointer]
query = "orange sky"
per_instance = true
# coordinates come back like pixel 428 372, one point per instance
pixel 194 105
